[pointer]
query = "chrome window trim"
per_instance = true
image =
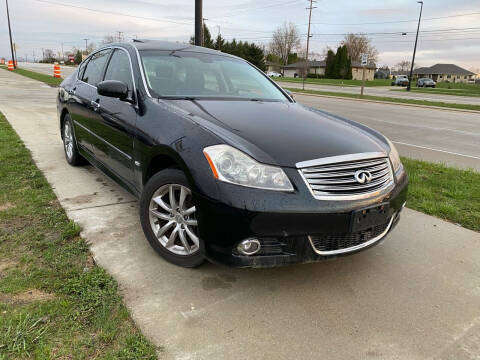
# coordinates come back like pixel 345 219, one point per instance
pixel 141 72
pixel 353 248
pixel 346 158
pixel 340 158
pixel 103 140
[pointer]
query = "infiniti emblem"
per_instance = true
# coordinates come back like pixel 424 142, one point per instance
pixel 363 176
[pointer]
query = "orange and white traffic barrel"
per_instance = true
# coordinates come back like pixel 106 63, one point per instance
pixel 10 65
pixel 57 72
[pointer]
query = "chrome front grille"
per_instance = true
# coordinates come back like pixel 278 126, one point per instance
pixel 335 177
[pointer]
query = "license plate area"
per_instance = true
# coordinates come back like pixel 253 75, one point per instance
pixel 369 217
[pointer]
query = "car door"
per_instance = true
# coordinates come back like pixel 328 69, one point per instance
pixel 83 111
pixel 117 119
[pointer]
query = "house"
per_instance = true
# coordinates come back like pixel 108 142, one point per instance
pixel 318 68
pixel 271 66
pixel 445 73
pixel 297 69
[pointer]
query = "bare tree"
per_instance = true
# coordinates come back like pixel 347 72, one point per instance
pixel 48 55
pixel 284 40
pixel 404 65
pixel 108 39
pixel 358 45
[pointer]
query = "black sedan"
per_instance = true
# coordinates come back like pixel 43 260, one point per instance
pixel 227 166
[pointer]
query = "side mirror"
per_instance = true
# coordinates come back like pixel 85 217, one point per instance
pixel 113 88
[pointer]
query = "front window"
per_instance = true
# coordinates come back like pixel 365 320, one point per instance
pixel 180 74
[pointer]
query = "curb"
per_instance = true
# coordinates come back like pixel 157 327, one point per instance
pixel 390 103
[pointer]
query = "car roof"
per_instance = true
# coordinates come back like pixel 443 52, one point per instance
pixel 142 44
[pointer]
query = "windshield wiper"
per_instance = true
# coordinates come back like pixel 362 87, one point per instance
pixel 191 98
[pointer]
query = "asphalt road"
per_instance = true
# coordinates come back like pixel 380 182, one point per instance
pixel 387 91
pixel 416 296
pixel 46 68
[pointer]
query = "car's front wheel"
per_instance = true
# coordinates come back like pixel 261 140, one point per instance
pixel 70 144
pixel 169 221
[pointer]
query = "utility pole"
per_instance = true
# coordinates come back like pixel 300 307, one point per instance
pixel 63 57
pixel 119 35
pixel 415 48
pixel 33 53
pixel 86 51
pixel 306 69
pixel 10 34
pixel 198 23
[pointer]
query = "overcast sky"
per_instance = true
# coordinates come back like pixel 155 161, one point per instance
pixel 38 24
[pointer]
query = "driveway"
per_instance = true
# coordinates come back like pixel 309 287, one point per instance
pixel 416 296
pixel 385 91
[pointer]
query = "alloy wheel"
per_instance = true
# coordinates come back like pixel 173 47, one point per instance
pixel 68 139
pixel 173 221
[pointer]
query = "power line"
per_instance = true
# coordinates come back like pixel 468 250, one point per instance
pixel 248 9
pixel 396 21
pixel 114 13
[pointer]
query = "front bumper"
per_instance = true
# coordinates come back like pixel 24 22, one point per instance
pixel 287 230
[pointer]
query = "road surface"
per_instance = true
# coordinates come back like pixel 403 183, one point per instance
pixel 416 296
pixel 46 68
pixel 386 91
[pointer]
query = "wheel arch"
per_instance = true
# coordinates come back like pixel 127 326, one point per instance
pixel 161 158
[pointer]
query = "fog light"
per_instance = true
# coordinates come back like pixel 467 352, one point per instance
pixel 249 247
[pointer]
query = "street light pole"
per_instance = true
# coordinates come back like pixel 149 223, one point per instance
pixel 308 43
pixel 86 46
pixel 415 48
pixel 10 33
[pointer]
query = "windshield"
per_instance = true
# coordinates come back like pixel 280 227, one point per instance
pixel 183 74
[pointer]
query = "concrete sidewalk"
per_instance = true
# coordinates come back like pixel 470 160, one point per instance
pixel 417 296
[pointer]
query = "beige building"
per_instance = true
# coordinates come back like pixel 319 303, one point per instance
pixel 318 68
pixel 445 73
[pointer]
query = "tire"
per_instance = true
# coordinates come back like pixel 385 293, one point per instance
pixel 171 231
pixel 70 148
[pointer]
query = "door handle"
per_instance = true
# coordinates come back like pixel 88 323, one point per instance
pixel 95 105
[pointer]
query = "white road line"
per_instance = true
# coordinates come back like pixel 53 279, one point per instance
pixel 444 151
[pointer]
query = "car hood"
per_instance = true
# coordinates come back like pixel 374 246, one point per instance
pixel 282 133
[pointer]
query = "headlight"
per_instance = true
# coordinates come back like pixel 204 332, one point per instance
pixel 394 157
pixel 231 165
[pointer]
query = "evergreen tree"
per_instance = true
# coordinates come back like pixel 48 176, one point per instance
pixel 219 43
pixel 330 65
pixel 78 57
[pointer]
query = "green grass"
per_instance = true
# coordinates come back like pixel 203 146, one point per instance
pixel 388 99
pixel 444 192
pixel 338 82
pixel 47 79
pixel 449 89
pixel 54 302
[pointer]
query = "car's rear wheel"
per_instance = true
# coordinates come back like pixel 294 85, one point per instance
pixel 169 221
pixel 70 144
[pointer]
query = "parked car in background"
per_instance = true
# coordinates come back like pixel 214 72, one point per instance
pixel 274 74
pixel 227 166
pixel 400 80
pixel 426 82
